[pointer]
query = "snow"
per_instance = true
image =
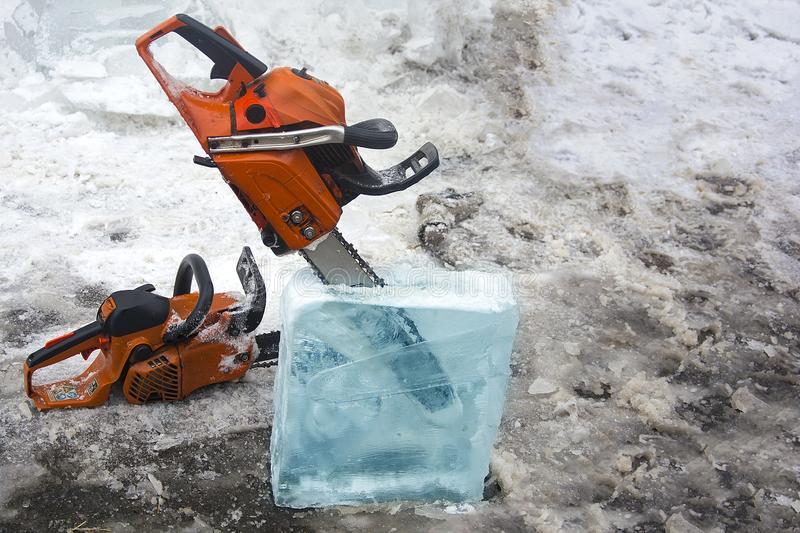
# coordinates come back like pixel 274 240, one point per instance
pixel 157 485
pixel 633 166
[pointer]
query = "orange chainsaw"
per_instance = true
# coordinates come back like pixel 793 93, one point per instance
pixel 281 142
pixel 159 348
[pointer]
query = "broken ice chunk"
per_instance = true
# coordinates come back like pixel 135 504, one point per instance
pixel 390 393
pixel 572 348
pixel 745 401
pixel 541 387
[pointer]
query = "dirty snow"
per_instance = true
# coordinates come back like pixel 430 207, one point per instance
pixel 634 166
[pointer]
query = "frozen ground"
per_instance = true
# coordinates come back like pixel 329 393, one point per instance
pixel 634 164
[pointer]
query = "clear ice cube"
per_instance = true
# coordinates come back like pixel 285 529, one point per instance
pixel 390 393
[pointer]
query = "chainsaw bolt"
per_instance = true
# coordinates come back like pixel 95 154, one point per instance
pixel 296 139
pixel 296 216
pixel 269 237
pixel 309 233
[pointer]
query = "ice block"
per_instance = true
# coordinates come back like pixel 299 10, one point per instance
pixel 364 415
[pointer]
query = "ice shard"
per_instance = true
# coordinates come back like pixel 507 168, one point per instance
pixel 362 415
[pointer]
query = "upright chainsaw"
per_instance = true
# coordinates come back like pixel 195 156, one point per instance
pixel 281 141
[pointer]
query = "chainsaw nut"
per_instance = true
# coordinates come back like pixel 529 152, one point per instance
pixel 309 233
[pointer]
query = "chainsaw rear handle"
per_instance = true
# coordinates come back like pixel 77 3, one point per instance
pixel 217 44
pixel 192 267
pixel 83 340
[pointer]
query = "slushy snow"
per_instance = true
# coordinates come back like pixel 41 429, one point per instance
pixel 633 165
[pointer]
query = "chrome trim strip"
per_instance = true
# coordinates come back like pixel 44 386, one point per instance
pixel 284 140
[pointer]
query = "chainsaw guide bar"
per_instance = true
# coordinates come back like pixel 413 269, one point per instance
pixel 336 262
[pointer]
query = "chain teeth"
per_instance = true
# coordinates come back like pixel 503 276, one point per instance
pixel 265 364
pixel 314 268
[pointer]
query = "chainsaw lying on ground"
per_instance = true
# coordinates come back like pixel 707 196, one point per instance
pixel 160 348
pixel 281 142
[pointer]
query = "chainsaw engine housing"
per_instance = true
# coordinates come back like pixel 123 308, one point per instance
pixel 280 138
pixel 177 371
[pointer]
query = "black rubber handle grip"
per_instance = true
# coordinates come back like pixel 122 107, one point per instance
pixel 192 266
pixel 376 133
pixel 223 53
pixel 395 178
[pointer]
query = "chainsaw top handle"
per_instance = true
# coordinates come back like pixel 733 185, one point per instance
pixel 192 267
pixel 231 61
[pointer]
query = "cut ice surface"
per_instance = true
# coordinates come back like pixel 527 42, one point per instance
pixel 390 393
